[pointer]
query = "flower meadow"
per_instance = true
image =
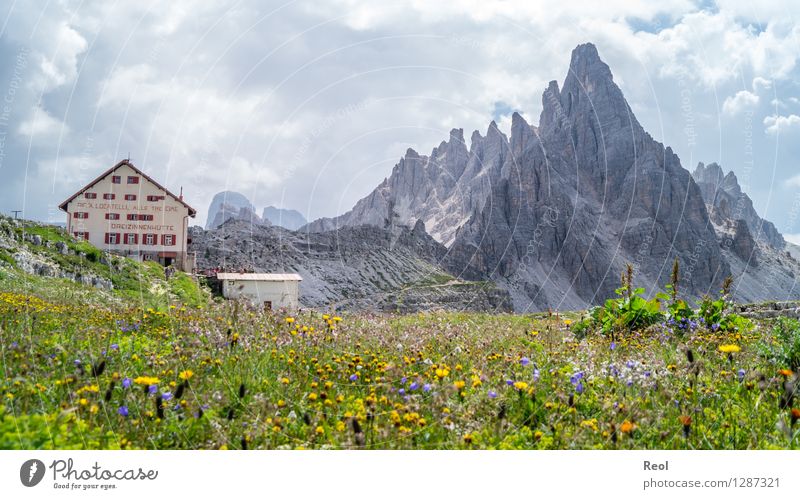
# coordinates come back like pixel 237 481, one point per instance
pixel 103 374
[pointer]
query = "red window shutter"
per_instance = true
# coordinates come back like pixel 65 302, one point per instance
pixel 116 179
pixel 108 238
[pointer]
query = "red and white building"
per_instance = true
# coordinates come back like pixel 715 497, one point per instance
pixel 126 212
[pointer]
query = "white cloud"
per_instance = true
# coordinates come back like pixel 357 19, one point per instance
pixel 760 84
pixel 735 104
pixel 792 238
pixel 793 182
pixel 776 123
pixel 40 125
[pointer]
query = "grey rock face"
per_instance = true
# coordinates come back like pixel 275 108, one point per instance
pixel 553 213
pixel 229 205
pixel 727 203
pixel 358 268
pixel 281 217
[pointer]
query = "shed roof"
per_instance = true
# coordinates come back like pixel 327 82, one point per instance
pixel 234 276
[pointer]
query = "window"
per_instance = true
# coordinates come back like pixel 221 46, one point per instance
pixel 133 180
pixel 147 218
pixel 108 196
pixel 81 215
pixel 155 198
pixel 131 239
pixel 130 197
pixel 112 216
pixel 81 235
pixel 90 195
pixel 149 239
pixel 116 179
pixel 112 238
pixel 168 240
pixel 132 216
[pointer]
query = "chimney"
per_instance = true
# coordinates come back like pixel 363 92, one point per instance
pixel 181 196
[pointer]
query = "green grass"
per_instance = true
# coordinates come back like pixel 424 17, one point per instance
pixel 259 381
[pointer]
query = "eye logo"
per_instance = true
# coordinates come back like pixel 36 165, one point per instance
pixel 31 472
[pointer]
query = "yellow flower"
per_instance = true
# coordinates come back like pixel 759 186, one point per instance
pixel 459 385
pixel 520 385
pixel 146 380
pixel 626 427
pixel 83 402
pixel 289 320
pixel 186 375
pixel 442 372
pixel 729 348
pixel 312 396
pixel 320 430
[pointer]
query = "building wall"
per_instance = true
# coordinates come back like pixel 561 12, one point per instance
pixel 163 217
pixel 281 294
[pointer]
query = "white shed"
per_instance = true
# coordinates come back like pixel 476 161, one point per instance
pixel 272 291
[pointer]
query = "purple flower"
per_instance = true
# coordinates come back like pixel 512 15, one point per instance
pixel 509 382
pixel 741 373
pixel 647 374
pixel 152 389
pixel 714 327
pixel 492 394
pixel 579 387
pixel 114 346
pixel 630 364
pixel 413 386
pixel 426 387
pixel 166 396
pixel 525 361
pixel 535 375
pixel 401 391
pixel 123 411
pixel 77 362
pixel 613 345
pixel 354 377
pixel 126 383
pixel 403 380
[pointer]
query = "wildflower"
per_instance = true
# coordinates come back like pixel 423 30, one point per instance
pixel 686 421
pixel 320 430
pixel 413 386
pixel 786 372
pixel 579 388
pixel 525 361
pixel 186 375
pixel 468 438
pixel 459 385
pixel 152 389
pixel 520 385
pixel 613 345
pixel 740 374
pixel 441 372
pixel 127 382
pixel 795 415
pixel 535 375
pixel 146 380
pixel 492 394
pixel 123 411
pixel 166 396
pixel 426 387
pixel 289 320
pixel 729 348
pixel 354 377
pixel 626 427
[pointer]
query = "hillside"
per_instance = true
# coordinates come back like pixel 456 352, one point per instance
pixel 41 258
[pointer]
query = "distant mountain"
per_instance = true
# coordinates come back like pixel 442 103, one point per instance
pixel 227 205
pixel 281 217
pixel 726 202
pixel 555 211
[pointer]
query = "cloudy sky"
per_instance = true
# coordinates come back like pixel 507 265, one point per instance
pixel 308 105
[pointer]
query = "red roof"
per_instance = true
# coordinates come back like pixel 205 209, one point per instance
pixel 125 162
